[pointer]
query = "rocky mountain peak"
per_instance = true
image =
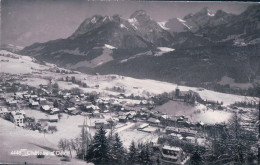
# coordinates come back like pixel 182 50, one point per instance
pixel 140 15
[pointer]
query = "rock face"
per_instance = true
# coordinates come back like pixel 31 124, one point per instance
pixel 207 46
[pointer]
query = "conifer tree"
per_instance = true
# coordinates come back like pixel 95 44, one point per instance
pixel 132 156
pixel 117 151
pixel 98 151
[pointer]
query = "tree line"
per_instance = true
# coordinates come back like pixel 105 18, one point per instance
pixel 108 150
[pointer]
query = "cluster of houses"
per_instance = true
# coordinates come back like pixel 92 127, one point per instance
pixel 124 110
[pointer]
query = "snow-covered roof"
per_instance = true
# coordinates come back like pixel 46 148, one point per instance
pixel 143 125
pixel 71 109
pixel 35 103
pixel 46 107
pixel 153 120
pixel 3 110
pixel 53 117
pixel 42 99
pixel 172 148
pixel 55 109
pixel 18 114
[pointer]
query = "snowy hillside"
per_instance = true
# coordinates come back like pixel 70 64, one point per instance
pixel 16 64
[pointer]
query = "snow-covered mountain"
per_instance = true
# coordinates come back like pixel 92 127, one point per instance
pixel 206 18
pixel 175 25
pixel 111 44
pixel 149 29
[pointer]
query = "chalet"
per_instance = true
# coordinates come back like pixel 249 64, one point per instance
pixel 34 104
pixel 106 111
pixel 82 95
pixel 92 107
pixel 170 130
pixel 128 108
pixel 44 86
pixel 3 111
pixel 130 117
pixel 46 108
pixel 55 110
pixel 144 102
pixel 27 96
pixel 122 119
pixel 18 95
pixel 75 112
pixel 200 124
pixel 53 118
pixel 173 155
pixel 190 139
pixel 97 114
pixel 34 97
pixel 66 95
pixel 182 118
pixel 153 121
pixel 187 132
pixel 71 109
pixel 11 102
pixel 102 123
pixel 142 126
pixel 17 117
pixel 42 101
pixel 176 136
pixel 75 99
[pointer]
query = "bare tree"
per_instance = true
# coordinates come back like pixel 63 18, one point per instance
pixel 62 144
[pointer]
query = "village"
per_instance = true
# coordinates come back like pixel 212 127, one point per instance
pixel 61 105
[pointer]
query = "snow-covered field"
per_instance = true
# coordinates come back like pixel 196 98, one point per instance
pixel 35 82
pixel 129 133
pixel 16 64
pixel 15 138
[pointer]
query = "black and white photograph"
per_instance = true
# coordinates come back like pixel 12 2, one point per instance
pixel 122 82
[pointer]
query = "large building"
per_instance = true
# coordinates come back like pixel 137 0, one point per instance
pixel 173 155
pixel 17 117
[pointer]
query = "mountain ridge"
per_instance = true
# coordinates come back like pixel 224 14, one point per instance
pixel 197 43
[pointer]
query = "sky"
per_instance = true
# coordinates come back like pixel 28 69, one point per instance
pixel 25 22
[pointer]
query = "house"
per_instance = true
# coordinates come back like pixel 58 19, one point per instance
pixel 142 126
pixel 55 110
pixel 34 104
pixel 173 155
pixel 18 95
pixel 3 111
pixel 176 136
pixel 182 118
pixel 46 108
pixel 122 119
pixel 71 109
pixel 12 103
pixel 102 123
pixel 170 130
pixel 42 100
pixel 190 139
pixel 53 118
pixel 75 112
pixel 44 86
pixel 26 96
pixel 34 97
pixel 153 121
pixel 187 132
pixel 17 117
